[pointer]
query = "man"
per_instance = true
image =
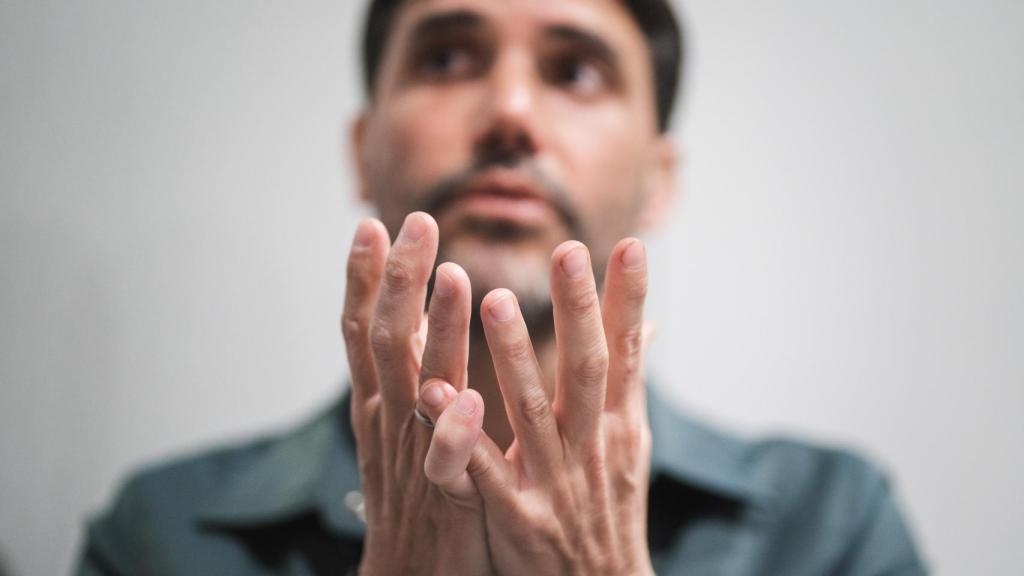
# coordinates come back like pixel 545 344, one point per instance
pixel 509 431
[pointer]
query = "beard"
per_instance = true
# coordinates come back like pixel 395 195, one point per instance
pixel 500 254
pixel 525 270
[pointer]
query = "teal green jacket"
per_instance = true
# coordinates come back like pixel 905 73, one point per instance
pixel 288 504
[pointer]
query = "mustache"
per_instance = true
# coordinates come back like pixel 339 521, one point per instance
pixel 453 187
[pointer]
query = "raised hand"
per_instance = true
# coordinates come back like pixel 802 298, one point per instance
pixel 569 496
pixel 414 526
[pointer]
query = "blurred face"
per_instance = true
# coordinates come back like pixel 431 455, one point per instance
pixel 518 124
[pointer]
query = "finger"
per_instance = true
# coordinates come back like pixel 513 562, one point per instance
pixel 455 434
pixel 582 351
pixel 435 396
pixel 487 466
pixel 420 341
pixel 398 315
pixel 364 270
pixel 447 349
pixel 494 476
pixel 625 291
pixel 522 384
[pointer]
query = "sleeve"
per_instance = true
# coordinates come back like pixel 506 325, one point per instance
pixel 882 545
pixel 111 541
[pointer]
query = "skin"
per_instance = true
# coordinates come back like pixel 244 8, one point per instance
pixel 552 477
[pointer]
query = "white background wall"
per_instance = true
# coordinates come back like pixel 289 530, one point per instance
pixel 847 260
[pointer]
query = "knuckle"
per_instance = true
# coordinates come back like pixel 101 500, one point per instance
pixel 519 351
pixel 617 440
pixel 630 439
pixel 534 409
pixel 356 269
pixel 630 343
pixel 353 328
pixel 539 516
pixel 399 276
pixel 627 483
pixel 628 436
pixel 383 339
pixel 629 475
pixel 582 302
pixel 482 468
pixel 645 441
pixel 591 367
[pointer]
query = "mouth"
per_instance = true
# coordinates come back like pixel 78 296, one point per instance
pixel 501 196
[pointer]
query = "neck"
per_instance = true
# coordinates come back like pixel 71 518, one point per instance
pixel 483 379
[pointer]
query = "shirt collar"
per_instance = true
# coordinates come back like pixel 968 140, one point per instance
pixel 314 469
pixel 698 456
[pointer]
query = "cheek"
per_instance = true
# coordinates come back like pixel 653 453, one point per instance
pixel 419 141
pixel 605 165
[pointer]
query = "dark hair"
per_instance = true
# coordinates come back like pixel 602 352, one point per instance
pixel 655 17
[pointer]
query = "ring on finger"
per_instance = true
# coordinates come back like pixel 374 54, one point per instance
pixel 423 418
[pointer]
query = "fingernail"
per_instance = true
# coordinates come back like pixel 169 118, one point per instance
pixel 443 284
pixel 449 392
pixel 575 262
pixel 414 227
pixel 634 254
pixel 466 404
pixel 503 309
pixel 364 234
pixel 433 396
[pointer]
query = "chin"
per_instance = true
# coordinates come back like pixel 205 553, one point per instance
pixel 522 268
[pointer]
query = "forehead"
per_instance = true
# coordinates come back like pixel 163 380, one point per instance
pixel 608 19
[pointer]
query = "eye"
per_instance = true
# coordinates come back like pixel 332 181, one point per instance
pixel 578 75
pixel 445 62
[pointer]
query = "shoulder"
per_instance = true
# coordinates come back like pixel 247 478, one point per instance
pixel 154 509
pixel 169 509
pixel 790 471
pixel 828 506
pixel 837 498
pixel 800 473
pixel 282 464
pixel 183 484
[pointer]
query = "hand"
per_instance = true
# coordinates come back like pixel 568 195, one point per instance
pixel 569 496
pixel 414 525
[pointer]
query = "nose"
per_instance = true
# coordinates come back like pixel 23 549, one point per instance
pixel 509 118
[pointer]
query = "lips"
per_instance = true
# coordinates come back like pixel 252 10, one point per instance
pixel 502 194
pixel 497 205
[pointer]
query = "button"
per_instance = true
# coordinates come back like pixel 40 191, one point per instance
pixel 355 502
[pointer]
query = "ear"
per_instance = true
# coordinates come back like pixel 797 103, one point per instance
pixel 661 183
pixel 357 142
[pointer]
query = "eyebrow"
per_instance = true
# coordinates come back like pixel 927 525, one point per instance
pixel 444 22
pixel 589 41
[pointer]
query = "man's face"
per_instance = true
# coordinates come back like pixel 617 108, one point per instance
pixel 518 124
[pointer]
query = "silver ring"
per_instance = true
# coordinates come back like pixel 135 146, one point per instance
pixel 422 418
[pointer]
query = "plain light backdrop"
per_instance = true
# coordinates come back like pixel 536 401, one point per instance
pixel 845 262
